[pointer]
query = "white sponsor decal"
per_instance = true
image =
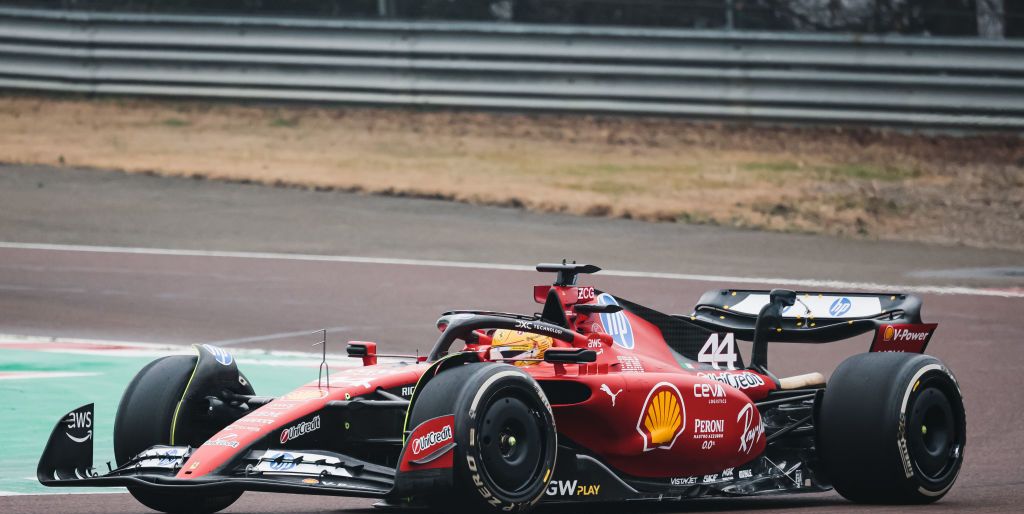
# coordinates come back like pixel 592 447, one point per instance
pixel 719 353
pixel 572 488
pixel 816 306
pixel 300 429
pixel 752 431
pixel 224 440
pixel 905 334
pixel 608 391
pixel 530 326
pixel 362 376
pixel 253 420
pixel 684 481
pixel 77 421
pixel 901 443
pixel 585 293
pixel 280 405
pixel 431 439
pixel 708 428
pixel 630 364
pixel 743 380
pixel 715 393
pixel 243 427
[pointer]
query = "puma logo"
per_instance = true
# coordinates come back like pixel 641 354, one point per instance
pixel 608 390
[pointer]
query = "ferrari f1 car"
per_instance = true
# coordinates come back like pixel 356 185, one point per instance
pixel 594 399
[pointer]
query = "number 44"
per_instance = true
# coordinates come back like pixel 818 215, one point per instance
pixel 719 353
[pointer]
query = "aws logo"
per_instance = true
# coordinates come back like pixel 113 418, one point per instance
pixel 616 324
pixel 663 417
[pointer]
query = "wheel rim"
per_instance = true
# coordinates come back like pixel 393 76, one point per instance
pixel 934 435
pixel 511 443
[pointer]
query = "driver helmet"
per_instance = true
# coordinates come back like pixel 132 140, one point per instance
pixel 514 344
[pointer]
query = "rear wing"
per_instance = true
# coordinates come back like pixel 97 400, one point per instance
pixel 819 317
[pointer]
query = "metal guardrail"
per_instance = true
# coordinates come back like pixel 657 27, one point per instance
pixel 932 82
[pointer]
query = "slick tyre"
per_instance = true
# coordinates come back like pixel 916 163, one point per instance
pixel 892 429
pixel 144 419
pixel 505 437
pixel 148 403
pixel 183 503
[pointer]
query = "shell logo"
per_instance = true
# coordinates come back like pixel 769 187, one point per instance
pixel 889 333
pixel 663 417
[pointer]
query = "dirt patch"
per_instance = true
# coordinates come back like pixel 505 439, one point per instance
pixel 882 184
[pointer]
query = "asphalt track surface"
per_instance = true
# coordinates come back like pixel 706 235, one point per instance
pixel 269 302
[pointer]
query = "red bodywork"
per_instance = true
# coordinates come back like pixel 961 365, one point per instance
pixel 646 415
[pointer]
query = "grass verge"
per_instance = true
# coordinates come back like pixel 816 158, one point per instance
pixel 881 184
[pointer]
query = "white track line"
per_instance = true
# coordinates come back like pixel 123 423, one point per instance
pixel 272 337
pixel 248 356
pixel 113 490
pixel 29 375
pixel 813 283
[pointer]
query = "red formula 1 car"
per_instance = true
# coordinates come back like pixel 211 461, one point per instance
pixel 594 399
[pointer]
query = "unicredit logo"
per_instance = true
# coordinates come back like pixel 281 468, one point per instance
pixel 903 334
pixel 300 430
pixel 431 439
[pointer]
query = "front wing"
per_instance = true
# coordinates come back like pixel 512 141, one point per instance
pixel 67 462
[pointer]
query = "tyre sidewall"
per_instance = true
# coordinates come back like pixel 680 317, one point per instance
pixel 862 434
pixel 178 502
pixel 468 391
pixel 479 393
pixel 147 406
pixel 933 374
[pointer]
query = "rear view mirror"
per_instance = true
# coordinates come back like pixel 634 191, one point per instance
pixel 363 350
pixel 589 308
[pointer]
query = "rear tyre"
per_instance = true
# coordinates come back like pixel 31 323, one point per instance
pixel 892 429
pixel 505 436
pixel 144 419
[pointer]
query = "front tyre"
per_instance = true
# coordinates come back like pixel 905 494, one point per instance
pixel 505 436
pixel 183 503
pixel 146 417
pixel 892 429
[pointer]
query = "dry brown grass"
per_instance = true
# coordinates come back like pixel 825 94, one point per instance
pixel 861 183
